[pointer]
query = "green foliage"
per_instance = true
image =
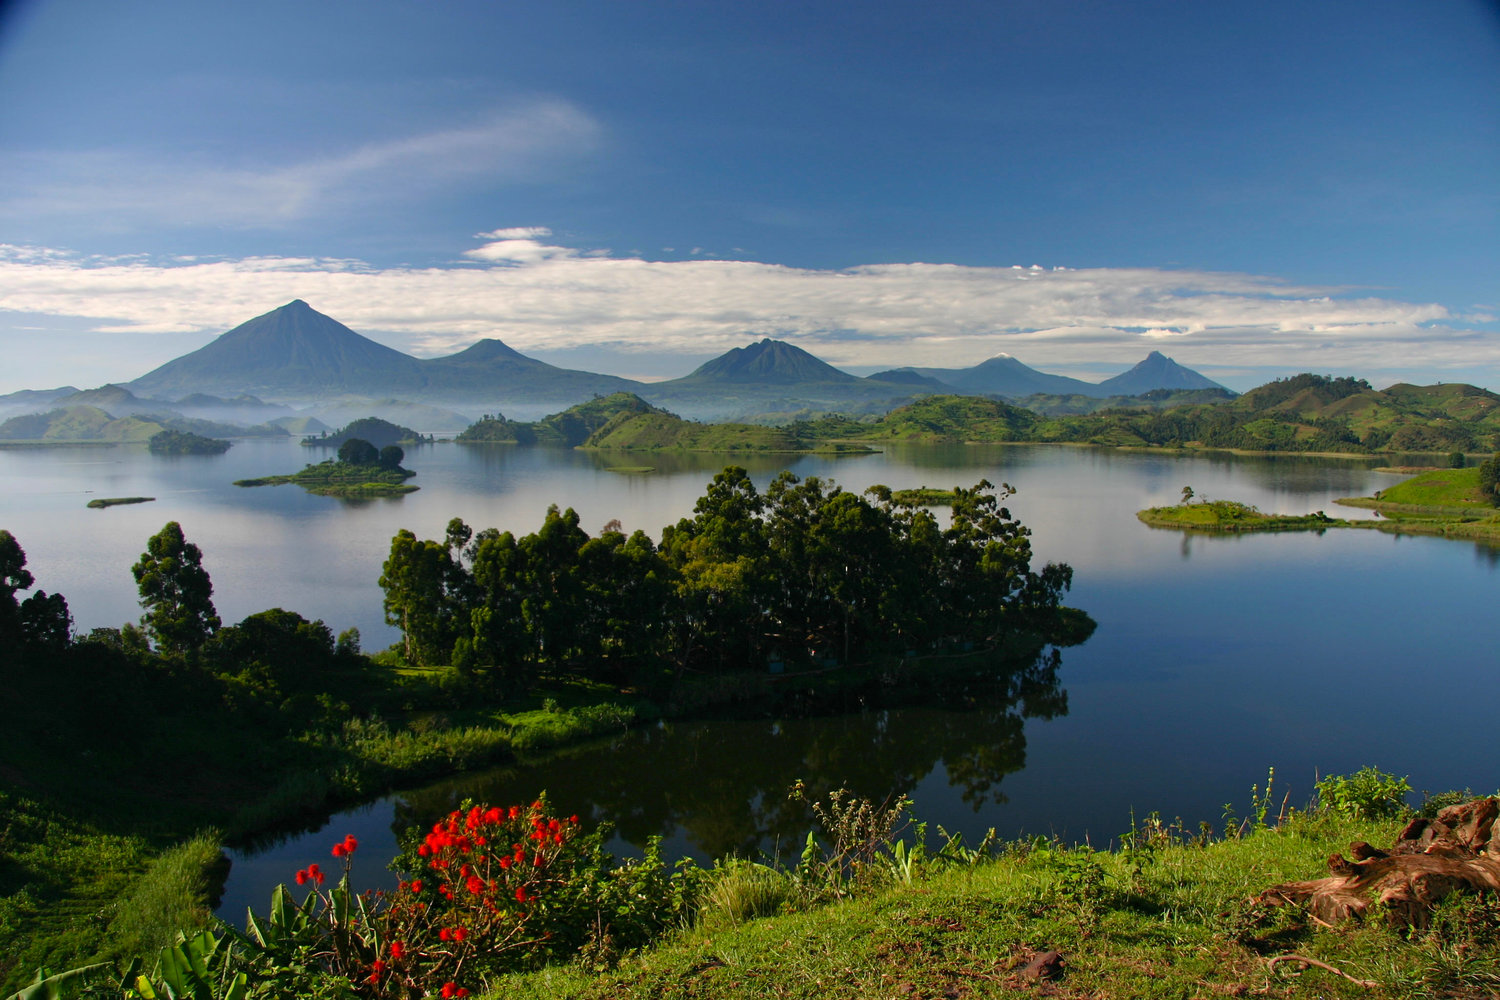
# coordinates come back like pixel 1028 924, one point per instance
pixel 861 845
pixel 14 577
pixel 357 451
pixel 175 591
pixel 491 430
pixel 201 967
pixel 1489 479
pixel 1368 793
pixel 372 430
pixel 805 574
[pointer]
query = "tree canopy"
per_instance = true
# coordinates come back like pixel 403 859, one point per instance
pixel 805 573
pixel 175 591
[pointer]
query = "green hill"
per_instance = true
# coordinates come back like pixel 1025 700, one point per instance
pixel 78 423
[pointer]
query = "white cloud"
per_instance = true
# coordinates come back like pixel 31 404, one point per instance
pixel 123 188
pixel 515 233
pixel 537 296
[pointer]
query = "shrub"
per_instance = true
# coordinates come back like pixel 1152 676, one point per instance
pixel 1367 794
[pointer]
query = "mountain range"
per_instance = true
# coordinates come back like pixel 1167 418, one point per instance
pixel 295 355
pixel 1004 376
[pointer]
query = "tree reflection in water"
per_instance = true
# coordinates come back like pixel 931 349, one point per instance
pixel 721 786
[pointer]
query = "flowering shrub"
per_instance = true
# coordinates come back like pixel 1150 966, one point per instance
pixel 490 889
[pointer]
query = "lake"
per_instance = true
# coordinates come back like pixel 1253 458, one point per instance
pixel 1214 659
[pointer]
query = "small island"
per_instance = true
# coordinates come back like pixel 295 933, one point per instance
pixel 171 442
pixel 102 502
pixel 1231 517
pixel 361 470
pixel 1451 503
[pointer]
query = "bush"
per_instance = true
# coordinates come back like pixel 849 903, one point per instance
pixel 1367 794
pixel 490 890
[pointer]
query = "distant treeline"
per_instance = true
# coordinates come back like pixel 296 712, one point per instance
pixel 805 573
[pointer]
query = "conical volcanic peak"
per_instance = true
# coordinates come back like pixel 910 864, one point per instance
pixel 485 351
pixel 1157 371
pixel 293 349
pixel 769 362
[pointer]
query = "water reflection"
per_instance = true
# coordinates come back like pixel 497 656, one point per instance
pixel 721 787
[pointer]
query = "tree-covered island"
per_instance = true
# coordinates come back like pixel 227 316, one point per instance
pixel 360 470
pixel 170 442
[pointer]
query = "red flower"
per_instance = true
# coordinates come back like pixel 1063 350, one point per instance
pixel 459 933
pixel 338 850
pixel 475 884
pixel 376 968
pixel 301 876
pixel 444 934
pixel 573 820
pixel 398 950
pixel 451 990
pixel 350 844
pixel 521 894
pixel 319 878
pixel 416 885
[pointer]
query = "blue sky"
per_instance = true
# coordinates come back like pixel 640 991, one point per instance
pixel 633 187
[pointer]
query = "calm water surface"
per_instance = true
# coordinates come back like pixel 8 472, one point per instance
pixel 1215 658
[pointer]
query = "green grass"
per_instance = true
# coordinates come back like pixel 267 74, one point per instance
pixel 1443 502
pixel 72 893
pixel 1174 921
pixel 1455 488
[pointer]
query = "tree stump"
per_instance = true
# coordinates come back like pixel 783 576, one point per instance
pixel 1459 851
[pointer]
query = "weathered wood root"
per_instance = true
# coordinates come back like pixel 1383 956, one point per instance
pixel 1303 960
pixel 1459 851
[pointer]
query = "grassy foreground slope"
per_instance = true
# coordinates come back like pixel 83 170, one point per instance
pixel 1166 919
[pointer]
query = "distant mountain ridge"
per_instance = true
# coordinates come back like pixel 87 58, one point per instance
pixel 295 353
pixel 1005 376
